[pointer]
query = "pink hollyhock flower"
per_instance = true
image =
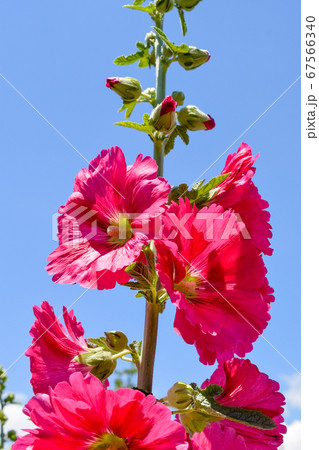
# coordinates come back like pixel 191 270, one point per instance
pixel 239 193
pixel 217 437
pixel 82 414
pixel 246 387
pixel 103 225
pixel 54 347
pixel 215 278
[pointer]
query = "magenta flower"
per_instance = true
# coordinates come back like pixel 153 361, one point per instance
pixel 104 223
pixel 215 278
pixel 239 193
pixel 246 387
pixel 82 414
pixel 217 437
pixel 54 347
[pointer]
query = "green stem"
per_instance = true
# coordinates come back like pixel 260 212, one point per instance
pixel 146 368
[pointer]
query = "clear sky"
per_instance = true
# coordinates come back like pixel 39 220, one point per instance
pixel 58 54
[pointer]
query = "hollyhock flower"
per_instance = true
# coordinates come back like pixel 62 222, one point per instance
pixel 103 225
pixel 239 193
pixel 54 348
pixel 246 387
pixel 82 414
pixel 216 437
pixel 215 278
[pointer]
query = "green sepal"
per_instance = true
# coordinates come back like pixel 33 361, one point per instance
pixel 146 128
pixel 183 48
pixel 216 181
pixel 182 132
pixel 183 21
pixel 99 342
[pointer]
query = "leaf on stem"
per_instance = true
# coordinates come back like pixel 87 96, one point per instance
pixel 177 49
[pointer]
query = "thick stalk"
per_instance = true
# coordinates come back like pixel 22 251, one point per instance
pixel 146 368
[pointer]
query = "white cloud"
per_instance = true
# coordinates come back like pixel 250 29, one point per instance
pixel 293 393
pixel 292 440
pixel 16 419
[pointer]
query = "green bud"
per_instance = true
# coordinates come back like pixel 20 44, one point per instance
pixel 194 119
pixel 164 6
pixel 116 341
pixel 9 398
pixel 163 117
pixel 12 435
pixel 128 88
pixel 179 97
pixel 195 421
pixel 3 417
pixel 180 395
pixel 150 38
pixel 195 57
pixel 101 360
pixel 188 5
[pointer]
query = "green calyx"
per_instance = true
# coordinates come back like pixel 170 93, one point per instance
pixel 194 58
pixel 128 88
pixel 192 118
pixel 116 341
pixel 188 5
pixel 120 231
pixel 164 6
pixel 180 395
pixel 102 362
pixel 109 442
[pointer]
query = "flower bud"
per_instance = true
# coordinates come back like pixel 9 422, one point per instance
pixel 9 398
pixel 195 57
pixel 180 395
pixel 12 435
pixel 188 5
pixel 102 362
pixel 179 97
pixel 116 340
pixel 126 87
pixel 150 38
pixel 164 6
pixel 194 119
pixel 163 117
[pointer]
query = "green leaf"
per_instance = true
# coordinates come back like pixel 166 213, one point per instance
pixel 197 185
pixel 144 62
pixel 212 184
pixel 183 22
pixel 183 48
pixel 150 258
pixel 148 9
pixel 170 142
pixel 129 108
pixel 129 59
pixel 205 401
pixel 141 273
pixel 100 342
pixel 141 46
pixel 138 2
pixel 136 126
pixel 182 132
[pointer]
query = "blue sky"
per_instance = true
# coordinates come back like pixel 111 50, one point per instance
pixel 58 54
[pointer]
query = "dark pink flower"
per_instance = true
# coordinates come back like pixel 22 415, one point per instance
pixel 239 193
pixel 215 278
pixel 168 105
pixel 209 124
pixel 82 414
pixel 110 82
pixel 103 225
pixel 246 387
pixel 217 437
pixel 54 347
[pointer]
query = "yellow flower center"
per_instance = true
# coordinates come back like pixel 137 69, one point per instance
pixel 109 442
pixel 120 231
pixel 188 286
